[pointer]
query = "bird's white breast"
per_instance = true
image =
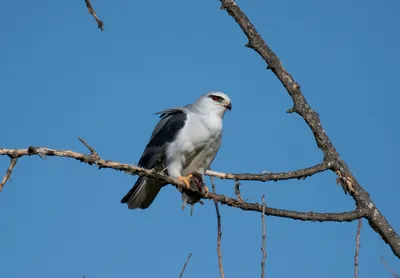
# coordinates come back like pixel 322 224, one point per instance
pixel 195 146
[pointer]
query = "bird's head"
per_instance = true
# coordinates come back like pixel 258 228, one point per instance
pixel 215 102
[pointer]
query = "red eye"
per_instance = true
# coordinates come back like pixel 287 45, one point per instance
pixel 216 98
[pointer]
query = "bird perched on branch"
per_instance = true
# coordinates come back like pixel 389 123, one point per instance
pixel 185 141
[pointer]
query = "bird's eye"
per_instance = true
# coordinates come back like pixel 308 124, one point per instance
pixel 216 98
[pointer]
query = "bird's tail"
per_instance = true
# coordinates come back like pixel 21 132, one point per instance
pixel 142 193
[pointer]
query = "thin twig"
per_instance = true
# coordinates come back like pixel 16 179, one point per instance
pixel 184 266
pixel 7 176
pixel 357 248
pixel 298 174
pixel 386 265
pixel 237 191
pixel 375 218
pixel 263 240
pixel 100 24
pixel 91 149
pixel 219 232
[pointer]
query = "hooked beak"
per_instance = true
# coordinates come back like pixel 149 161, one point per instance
pixel 228 106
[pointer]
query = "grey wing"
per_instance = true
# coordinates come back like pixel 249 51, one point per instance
pixel 146 189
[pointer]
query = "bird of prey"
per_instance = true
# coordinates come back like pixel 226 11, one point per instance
pixel 185 141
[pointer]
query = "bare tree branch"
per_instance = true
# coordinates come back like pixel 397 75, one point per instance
pixel 100 23
pixel 264 237
pixel 298 174
pixel 7 176
pixel 184 266
pixel 375 218
pixel 219 232
pixel 304 216
pixel 134 170
pixel 357 248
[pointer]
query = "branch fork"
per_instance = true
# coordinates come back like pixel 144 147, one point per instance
pixel 300 106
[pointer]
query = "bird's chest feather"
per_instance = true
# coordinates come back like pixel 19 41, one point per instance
pixel 196 144
pixel 202 132
pixel 204 137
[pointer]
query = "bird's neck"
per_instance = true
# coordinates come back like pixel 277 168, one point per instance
pixel 212 121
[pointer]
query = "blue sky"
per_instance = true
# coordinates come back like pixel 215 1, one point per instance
pixel 60 78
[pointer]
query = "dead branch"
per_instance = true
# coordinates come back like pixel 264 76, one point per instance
pixel 184 266
pixel 100 24
pixel 219 232
pixel 264 237
pixel 134 170
pixel 91 149
pixel 357 248
pixel 298 174
pixel 7 176
pixel 300 106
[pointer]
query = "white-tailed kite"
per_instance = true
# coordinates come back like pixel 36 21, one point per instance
pixel 185 141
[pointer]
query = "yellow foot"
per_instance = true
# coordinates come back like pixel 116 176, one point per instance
pixel 186 180
pixel 206 189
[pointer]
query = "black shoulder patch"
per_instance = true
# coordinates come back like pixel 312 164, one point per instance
pixel 165 132
pixel 174 123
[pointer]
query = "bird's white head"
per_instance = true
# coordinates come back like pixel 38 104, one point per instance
pixel 214 102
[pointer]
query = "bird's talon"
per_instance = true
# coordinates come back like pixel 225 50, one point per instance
pixel 186 180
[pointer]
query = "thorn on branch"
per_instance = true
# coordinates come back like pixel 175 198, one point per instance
pixel 7 176
pixel 100 23
pixel 184 266
pixel 91 149
pixel 248 45
pixel 264 236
